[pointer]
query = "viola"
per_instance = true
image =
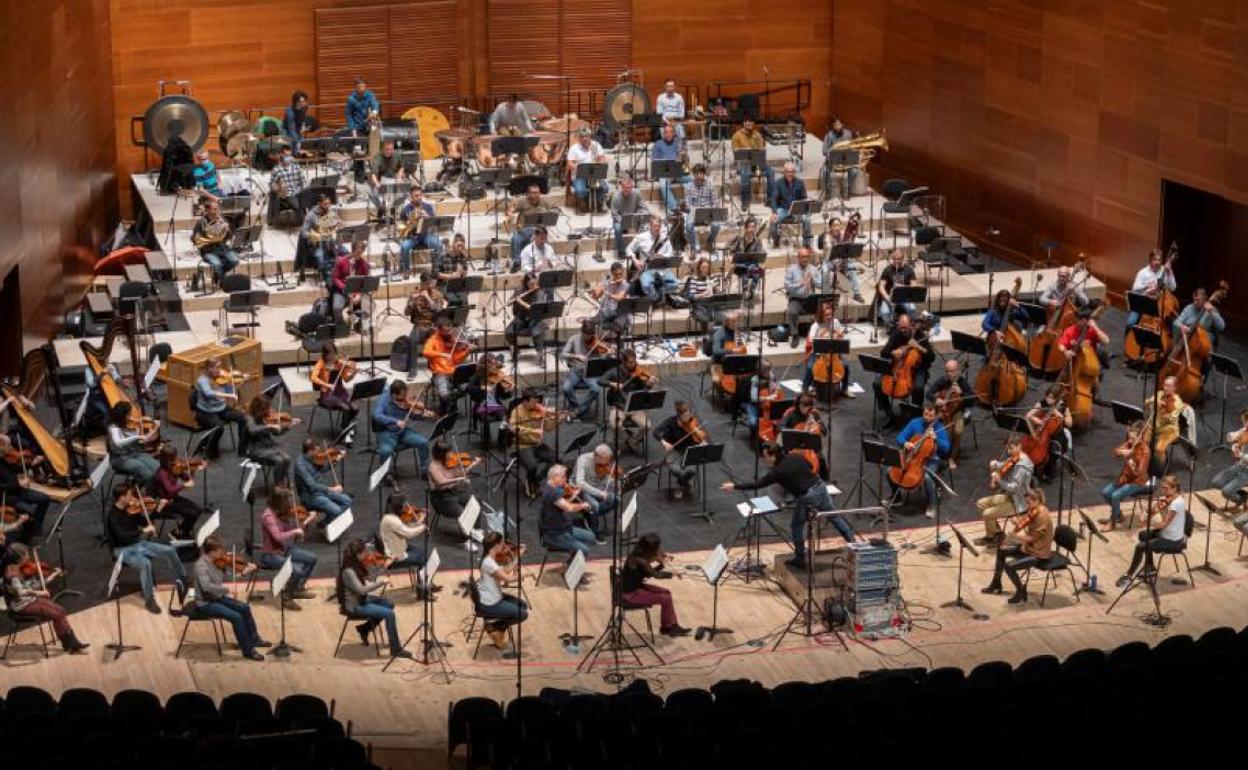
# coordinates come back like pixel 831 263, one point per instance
pixel 374 559
pixel 1003 469
pixel 346 369
pixel 1135 461
pixel 280 419
pixel 231 561
pixel 1188 355
pixel 607 470
pixel 33 568
pixel 508 552
pixel 460 460
pixel 135 504
pixel 188 466
pixel 230 377
pixel 571 492
pixel 498 377
pixel 917 451
pixel 695 432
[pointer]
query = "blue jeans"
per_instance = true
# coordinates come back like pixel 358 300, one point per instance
pixel 301 565
pixel 238 615
pixel 140 555
pixel 570 540
pixel 519 239
pixel 580 188
pixel 1231 480
pixel 598 512
pixel 324 261
pixel 1133 318
pixel 1114 495
pixel 508 609
pixel 812 501
pixel 648 280
pixel 669 197
pixel 782 213
pixel 415 557
pixel 142 467
pixel 618 227
pixel 221 262
pixel 751 414
pixel 570 383
pixel 429 241
pixel 691 233
pixel 886 311
pixel 744 171
pixel 391 441
pixel 330 503
pixel 380 610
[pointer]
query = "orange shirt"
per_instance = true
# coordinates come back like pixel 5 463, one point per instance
pixel 435 353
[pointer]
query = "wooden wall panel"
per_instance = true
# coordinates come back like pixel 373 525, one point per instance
pixel 424 66
pixel 1054 120
pixel 524 41
pixel 56 153
pixel 351 43
pixel 596 42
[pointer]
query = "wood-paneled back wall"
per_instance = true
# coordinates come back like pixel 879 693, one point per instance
pixel 253 53
pixel 1052 120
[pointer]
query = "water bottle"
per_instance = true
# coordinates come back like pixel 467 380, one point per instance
pixel 1092 582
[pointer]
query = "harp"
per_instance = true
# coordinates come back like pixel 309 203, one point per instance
pixel 35 368
pixel 97 360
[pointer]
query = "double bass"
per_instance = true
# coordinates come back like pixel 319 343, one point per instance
pixel 1168 307
pixel 1001 382
pixel 1080 378
pixel 1043 353
pixel 1188 354
pixel 914 456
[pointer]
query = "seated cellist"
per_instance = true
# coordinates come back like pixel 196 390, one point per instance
pixel 916 431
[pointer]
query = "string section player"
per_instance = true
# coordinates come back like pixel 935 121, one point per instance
pixel 394 415
pixel 909 349
pixel 1032 543
pixel 331 374
pixel 677 433
pixel 529 421
pixel 576 354
pixel 924 444
pixel 444 350
pixel 1008 482
pixel 627 377
pixel 953 396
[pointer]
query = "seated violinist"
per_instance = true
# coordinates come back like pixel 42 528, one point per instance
pixel 1034 538
pixel 26 592
pixel 444 350
pixel 490 389
pixel 576 354
pixel 263 423
pixel 1035 420
pixel 355 592
pixel 1085 328
pixel 401 525
pixel 529 420
pixel 905 337
pixel 1008 483
pixel 1005 311
pixel 1133 480
pixel 212 597
pixel 561 504
pixel 1168 535
pixel 626 378
pixel 677 433
pixel 215 401
pixel 523 323
pixel 1232 480
pixel 1169 407
pixel 393 417
pixel 595 474
pixel 169 482
pixel 1201 312
pixel 647 560
pixel 285 526
pixel 498 569
pixel 724 342
pixel 330 377
pixel 953 396
pixel 31 505
pixel 825 327
pixel 128 443
pixel 610 291
pixel 919 429
pixel 450 485
pixel 131 533
pixel 316 495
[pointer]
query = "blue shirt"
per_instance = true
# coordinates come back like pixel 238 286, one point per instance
pixel 664 150
pixel 206 177
pixel 916 427
pixel 307 477
pixel 358 108
pixel 1212 320
pixel 292 126
pixel 387 413
pixel 208 401
pixel 994 321
pixel 784 194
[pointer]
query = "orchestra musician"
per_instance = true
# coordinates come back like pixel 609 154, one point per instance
pixel 748 255
pixel 897 272
pixel 320 226
pixel 317 496
pixel 748 137
pixel 576 353
pixel 953 396
pixel 825 326
pixel 215 402
pixel 1201 312
pixel 1133 480
pixel 801 279
pixel 1097 338
pixel 724 337
pixel 330 376
pixel 213 600
pixel 522 234
pixel 1034 538
pixel 1062 289
pixel 759 396
pixel 31 504
pixel 413 212
pixel 283 529
pixel 595 474
pixel 522 322
pixel 625 201
pixel 127 445
pixel 677 433
pixel 385 165
pixel 444 350
pixel 1169 408
pixel 205 174
pixel 786 191
pixel 1168 535
pixel 295 119
pixel 700 284
pixel 1233 479
pixel 810 495
pixel 647 560
pixel 490 389
pixel 449 487
pixel 837 133
pixel 423 306
pixel 670 106
pixel 539 255
pixel 1151 280
pixel 393 416
pixel 804 417
pixel 502 609
pixel 131 537
pixel 904 334
pixel 287 183
pixel 649 243
pixel 671 147
pixel 28 595
pixel 1005 310
pixel 529 420
pixel 262 425
pixel 609 292
pixel 852 267
pixel 510 118
pixel 625 378
pixel 927 424
pixel 211 237
pixel 401 524
pixel 170 502
pixel 700 194
pixel 349 263
pixel 586 150
pixel 355 597
pixel 451 265
pixel 560 505
pixel 1036 418
pixel 1008 483
pixel 362 106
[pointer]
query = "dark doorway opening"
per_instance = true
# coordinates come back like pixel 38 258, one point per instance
pixel 1212 235
pixel 10 325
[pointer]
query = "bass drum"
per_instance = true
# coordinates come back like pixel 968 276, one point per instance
pixel 624 102
pixel 429 121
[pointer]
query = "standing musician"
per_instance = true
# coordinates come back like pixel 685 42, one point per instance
pixel 522 321
pixel 510 118
pixel 170 502
pixel 444 350
pixel 629 376
pixel 837 133
pixel 897 272
pixel 1133 480
pixel 499 569
pixel 287 182
pixel 453 264
pixel 748 255
pixel 596 475
pixel 131 536
pixel 422 307
pixel 748 137
pixel 362 105
pixel 670 106
pixel 1062 289
pixel 586 150
pixel 349 263
pixel 128 444
pixel 1008 482
pixel 522 234
pixel 400 526
pixel 317 496
pixel 905 335
pixel 1005 311
pixel 26 592
pixel 1034 537
pixel 786 191
pixel 953 396
pixel 650 243
pixel 529 420
pixel 319 232
pixel 1233 479
pixel 213 600
pixel 576 353
pixel 413 212
pixel 1169 408
pixel 393 415
pixel 330 376
pixel 1036 418
pixel 609 292
pixel 677 433
pixel 1168 535
pixel 625 201
pixel 810 495
pixel 355 596
pixel 1095 337
pixel 283 528
pixel 801 279
pixel 804 417
pixel 31 505
pixel 1201 312
pixel 825 326
pixel 215 401
pixel 927 425
pixel 561 503
pixel 701 194
pixel 262 425
pixel 647 560
pixel 449 483
pixel 295 119
pixel 539 255
pixel 212 237
pixel 669 146
pixel 1152 279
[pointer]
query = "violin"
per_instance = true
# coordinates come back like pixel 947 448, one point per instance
pixel 34 568
pixel 136 504
pixel 412 514
pixel 600 348
pixel 460 460
pixel 1002 469
pixel 499 377
pixel 1186 359
pixel 327 454
pixel 280 419
pixel 9 515
pixel 914 456
pixel 571 492
pixel 185 467
pixel 507 553
pixel 230 377
pixel 949 401
pixel 231 561
pixel 346 369
pixel 695 432
pixel 607 470
pixel 15 456
pixel 374 559
pixel 1023 522
pixel 137 423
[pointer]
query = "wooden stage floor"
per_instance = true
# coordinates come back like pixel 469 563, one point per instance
pixel 406 707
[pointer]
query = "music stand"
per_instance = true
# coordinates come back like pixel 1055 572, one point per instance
pixel 456 315
pixel 630 306
pixel 805 208
pixel 1148 340
pixel 366 284
pixel 698 456
pixel 1142 304
pixel 354 233
pixel 882 454
pixel 757 159
pixel 248 302
pixel 969 344
pixel 631 223
pixel 435 225
pixel 709 215
pixel 580 442
pixel 876 365
pixel 547 219
pixel 367 390
pixel 1037 315
pixel 1229 368
pixel 1089 583
pixel 593 175
pixel 1125 414
pixel 907 295
pixel 963 546
pixel 1010 421
pixel 554 279
pixel 244 241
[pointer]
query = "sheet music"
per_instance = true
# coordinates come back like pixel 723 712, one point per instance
pixel 340 524
pixel 468 519
pixel 112 579
pixel 575 571
pixel 630 511
pixel 833 490
pixel 763 505
pixel 210 525
pixel 794 386
pixel 249 479
pixel 430 568
pixel 379 474
pixel 97 473
pixel 856 389
pixel 282 577
pixel 715 563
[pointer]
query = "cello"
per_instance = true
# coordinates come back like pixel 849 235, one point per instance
pixel 1168 307
pixel 1001 382
pixel 900 381
pixel 1043 353
pixel 1081 376
pixel 1038 440
pixel 827 369
pixel 1188 355
pixel 914 456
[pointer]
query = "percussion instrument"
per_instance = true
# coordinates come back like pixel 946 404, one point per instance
pixel 482 148
pixel 452 141
pixel 174 116
pixel 230 125
pixel 567 125
pixel 403 132
pixel 622 103
pixel 550 148
pixel 429 122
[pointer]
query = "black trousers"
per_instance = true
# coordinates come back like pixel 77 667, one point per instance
pixel 536 460
pixel 1150 543
pixel 1012 559
pixel 209 420
pixel 185 511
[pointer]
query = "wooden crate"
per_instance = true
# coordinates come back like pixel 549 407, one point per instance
pixel 240 353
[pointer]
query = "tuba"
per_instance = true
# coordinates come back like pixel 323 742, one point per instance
pixel 867 145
